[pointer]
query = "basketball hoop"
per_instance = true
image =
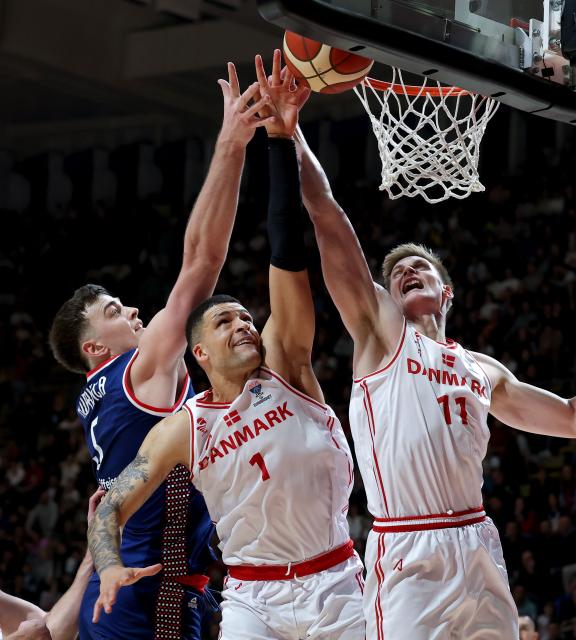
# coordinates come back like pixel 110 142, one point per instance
pixel 428 136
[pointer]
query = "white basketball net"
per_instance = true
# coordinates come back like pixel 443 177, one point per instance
pixel 429 142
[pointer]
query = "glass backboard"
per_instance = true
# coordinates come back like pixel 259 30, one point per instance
pixel 508 49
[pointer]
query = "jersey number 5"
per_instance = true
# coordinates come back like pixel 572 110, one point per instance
pixel 259 460
pixel 98 449
pixel 460 401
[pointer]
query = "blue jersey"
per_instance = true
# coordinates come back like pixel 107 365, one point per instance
pixel 115 425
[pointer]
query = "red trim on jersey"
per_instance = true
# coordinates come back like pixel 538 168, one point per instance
pixel 191 458
pixel 449 344
pixel 380 576
pixel 294 390
pixel 396 354
pixel 207 404
pixel 127 383
pixel 372 429
pixel 427 526
pixel 101 366
pixel 196 581
pixel 296 570
pixel 454 514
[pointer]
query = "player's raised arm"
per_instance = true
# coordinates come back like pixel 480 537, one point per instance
pixel 289 333
pixel 208 231
pixel 366 308
pixel 167 445
pixel 525 406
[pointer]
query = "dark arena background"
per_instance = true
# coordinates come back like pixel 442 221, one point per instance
pixel 108 115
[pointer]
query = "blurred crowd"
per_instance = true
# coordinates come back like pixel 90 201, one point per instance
pixel 511 252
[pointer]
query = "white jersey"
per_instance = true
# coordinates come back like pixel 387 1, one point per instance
pixel 275 470
pixel 420 431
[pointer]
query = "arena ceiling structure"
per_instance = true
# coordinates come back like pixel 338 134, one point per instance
pixel 83 68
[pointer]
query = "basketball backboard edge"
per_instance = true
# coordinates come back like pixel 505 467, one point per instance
pixel 448 51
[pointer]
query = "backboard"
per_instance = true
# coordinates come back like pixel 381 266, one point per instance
pixel 508 49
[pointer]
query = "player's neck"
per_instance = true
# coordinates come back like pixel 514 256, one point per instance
pixel 431 326
pixel 227 387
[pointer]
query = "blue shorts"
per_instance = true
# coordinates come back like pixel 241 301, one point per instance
pixel 133 614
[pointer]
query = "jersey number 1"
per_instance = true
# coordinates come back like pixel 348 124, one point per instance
pixel 259 460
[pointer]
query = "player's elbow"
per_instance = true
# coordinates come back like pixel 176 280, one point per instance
pixel 319 203
pixel 202 259
pixel 571 422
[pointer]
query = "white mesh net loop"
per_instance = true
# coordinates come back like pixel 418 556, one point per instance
pixel 428 137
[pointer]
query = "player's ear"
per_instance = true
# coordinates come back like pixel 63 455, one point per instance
pixel 199 353
pixel 94 349
pixel 448 293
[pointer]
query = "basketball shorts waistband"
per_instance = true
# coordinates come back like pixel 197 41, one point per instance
pixel 293 570
pixel 447 520
pixel 196 581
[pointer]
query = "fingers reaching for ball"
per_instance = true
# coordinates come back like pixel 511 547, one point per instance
pixel 286 97
pixel 243 112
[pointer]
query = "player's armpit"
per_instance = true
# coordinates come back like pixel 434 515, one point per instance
pixel 526 407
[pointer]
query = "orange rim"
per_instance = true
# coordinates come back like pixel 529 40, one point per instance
pixel 414 90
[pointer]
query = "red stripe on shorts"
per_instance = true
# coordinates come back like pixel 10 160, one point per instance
pixel 380 575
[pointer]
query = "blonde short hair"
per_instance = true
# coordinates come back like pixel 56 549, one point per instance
pixel 412 249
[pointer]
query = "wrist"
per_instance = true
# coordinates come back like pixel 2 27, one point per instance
pixel 229 145
pixel 283 136
pixel 110 566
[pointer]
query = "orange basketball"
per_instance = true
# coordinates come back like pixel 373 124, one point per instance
pixel 325 69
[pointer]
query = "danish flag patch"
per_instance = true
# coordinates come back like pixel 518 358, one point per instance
pixel 448 359
pixel 231 418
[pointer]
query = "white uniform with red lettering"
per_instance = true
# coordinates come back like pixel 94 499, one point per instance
pixel 276 473
pixel 434 562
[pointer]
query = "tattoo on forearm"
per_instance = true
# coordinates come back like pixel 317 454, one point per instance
pixel 104 532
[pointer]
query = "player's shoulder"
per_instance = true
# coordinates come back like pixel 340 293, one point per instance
pixel 114 365
pixel 494 369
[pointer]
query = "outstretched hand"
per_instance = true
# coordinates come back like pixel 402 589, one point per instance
pixel 286 97
pixel 113 579
pixel 242 112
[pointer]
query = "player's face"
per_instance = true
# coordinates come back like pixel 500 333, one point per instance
pixel 416 286
pixel 114 325
pixel 230 340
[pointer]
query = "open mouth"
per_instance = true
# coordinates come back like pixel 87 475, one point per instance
pixel 245 341
pixel 410 285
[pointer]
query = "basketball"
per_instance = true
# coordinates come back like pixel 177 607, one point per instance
pixel 325 69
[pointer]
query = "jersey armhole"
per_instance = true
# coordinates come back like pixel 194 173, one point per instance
pixel 191 430
pixel 158 411
pixel 397 351
pixel 483 370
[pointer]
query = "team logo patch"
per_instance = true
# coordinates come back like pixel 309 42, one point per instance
pixel 255 389
pixel 448 359
pixel 201 424
pixel 231 418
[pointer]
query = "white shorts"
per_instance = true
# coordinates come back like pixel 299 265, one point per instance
pixel 443 584
pixel 324 606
